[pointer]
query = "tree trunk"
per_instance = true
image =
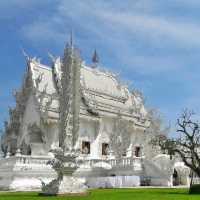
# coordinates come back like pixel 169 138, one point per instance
pixel 191 180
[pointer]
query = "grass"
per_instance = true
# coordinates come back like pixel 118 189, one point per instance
pixel 111 194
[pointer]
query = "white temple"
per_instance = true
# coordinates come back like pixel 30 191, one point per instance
pixel 108 122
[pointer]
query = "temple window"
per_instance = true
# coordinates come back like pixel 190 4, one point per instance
pixel 105 149
pixel 85 147
pixel 137 151
pixel 124 154
pixel 28 150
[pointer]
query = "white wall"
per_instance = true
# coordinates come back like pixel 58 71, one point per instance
pixel 52 136
pixel 30 116
pixel 95 132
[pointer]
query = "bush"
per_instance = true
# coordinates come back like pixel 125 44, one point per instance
pixel 194 189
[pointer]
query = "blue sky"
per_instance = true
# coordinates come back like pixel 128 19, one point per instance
pixel 153 44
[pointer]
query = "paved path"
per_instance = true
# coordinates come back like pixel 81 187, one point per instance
pixel 136 187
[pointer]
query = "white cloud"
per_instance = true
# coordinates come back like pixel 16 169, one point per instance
pixel 116 30
pixel 154 27
pixel 102 17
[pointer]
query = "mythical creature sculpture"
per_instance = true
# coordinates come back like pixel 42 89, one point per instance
pixel 65 161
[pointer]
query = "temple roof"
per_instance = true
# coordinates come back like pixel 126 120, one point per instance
pixel 96 84
pixel 95 80
pixel 44 73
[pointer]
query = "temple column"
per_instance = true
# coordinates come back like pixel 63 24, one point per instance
pixel 18 153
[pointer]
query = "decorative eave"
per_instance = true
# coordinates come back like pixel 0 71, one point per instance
pixel 21 98
pixel 93 106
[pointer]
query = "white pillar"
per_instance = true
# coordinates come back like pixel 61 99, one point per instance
pixel 18 153
pixel 8 154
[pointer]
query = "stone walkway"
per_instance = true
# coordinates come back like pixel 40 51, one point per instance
pixel 137 187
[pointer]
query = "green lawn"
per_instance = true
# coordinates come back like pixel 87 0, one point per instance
pixel 112 194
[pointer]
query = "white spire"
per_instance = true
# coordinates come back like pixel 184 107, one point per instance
pixel 95 59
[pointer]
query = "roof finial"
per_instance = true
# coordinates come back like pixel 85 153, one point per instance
pixel 71 38
pixel 52 57
pixel 28 58
pixel 95 58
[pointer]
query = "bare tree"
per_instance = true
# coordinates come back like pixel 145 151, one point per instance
pixel 187 143
pixel 156 128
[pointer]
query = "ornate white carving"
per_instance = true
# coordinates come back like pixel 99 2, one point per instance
pixel 64 164
pixel 102 105
pixel 120 137
pixel 69 97
pixel 92 105
pixel 65 157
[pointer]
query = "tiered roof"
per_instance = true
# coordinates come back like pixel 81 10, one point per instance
pixel 99 89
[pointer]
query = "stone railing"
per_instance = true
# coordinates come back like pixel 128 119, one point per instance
pixel 25 160
pixel 32 160
pixel 117 162
pixel 125 161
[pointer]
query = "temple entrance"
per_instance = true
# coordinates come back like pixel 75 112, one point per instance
pixel 181 176
pixel 176 180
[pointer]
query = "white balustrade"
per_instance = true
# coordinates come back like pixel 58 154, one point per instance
pixel 29 160
pixel 114 162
